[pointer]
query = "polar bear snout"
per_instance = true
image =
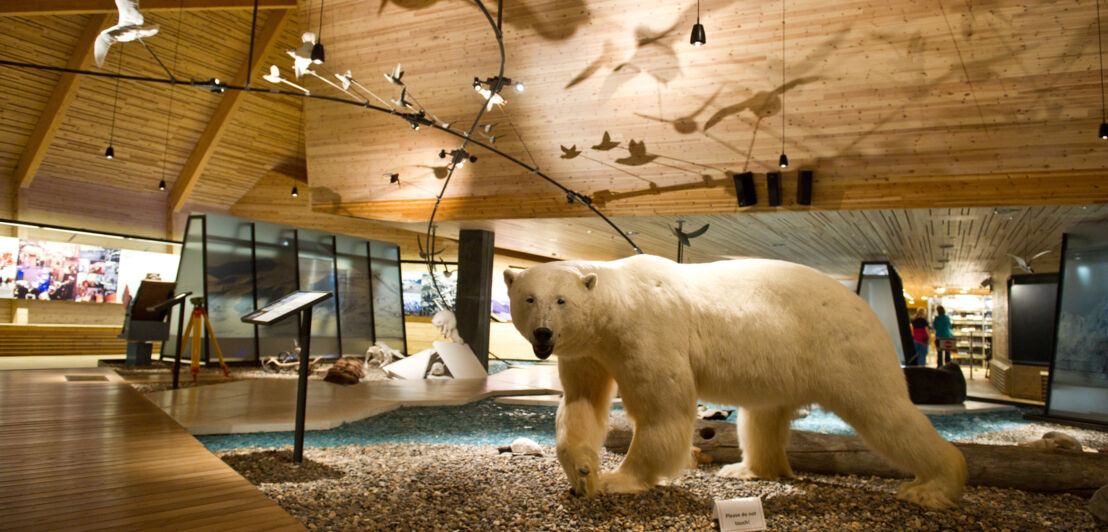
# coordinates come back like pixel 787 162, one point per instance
pixel 543 345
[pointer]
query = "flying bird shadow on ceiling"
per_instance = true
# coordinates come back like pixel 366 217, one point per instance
pixel 685 124
pixel 328 201
pixel 440 171
pixel 654 54
pixel 522 16
pixel 638 155
pixel 762 104
pixel 607 56
pixel 601 197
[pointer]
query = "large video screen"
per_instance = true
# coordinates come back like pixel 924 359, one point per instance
pixel 58 271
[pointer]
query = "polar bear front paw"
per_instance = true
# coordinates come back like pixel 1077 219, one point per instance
pixel 926 494
pixel 745 471
pixel 619 482
pixel 740 471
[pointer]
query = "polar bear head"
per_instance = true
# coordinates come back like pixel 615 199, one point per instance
pixel 551 304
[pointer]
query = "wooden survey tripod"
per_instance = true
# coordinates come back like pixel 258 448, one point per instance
pixel 200 314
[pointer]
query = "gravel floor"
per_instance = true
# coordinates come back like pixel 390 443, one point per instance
pixel 459 487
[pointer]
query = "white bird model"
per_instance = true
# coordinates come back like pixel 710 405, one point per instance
pixel 302 56
pixel 274 77
pixel 130 27
pixel 1025 265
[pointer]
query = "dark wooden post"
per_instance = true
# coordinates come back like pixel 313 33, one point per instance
pixel 474 302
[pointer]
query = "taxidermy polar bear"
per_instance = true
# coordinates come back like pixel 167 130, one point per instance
pixel 767 336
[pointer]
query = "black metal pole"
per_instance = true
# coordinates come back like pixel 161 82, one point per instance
pixel 177 354
pixel 302 384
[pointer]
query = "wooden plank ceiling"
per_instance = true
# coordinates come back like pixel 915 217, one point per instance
pixel 917 119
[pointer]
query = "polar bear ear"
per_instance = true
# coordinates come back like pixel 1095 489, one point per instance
pixel 589 280
pixel 510 276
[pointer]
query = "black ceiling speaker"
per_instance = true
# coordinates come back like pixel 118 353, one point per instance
pixel 773 182
pixel 804 187
pixel 744 189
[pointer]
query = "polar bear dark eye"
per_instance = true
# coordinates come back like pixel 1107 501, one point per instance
pixel 561 301
pixel 530 300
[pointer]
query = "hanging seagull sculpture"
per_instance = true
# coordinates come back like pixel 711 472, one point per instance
pixel 131 26
pixel 302 56
pixel 397 73
pixel 683 238
pixel 403 101
pixel 274 77
pixel 1025 265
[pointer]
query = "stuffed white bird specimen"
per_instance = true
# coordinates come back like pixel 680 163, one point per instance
pixel 130 27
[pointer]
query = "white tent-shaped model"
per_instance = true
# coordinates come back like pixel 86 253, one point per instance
pixel 458 360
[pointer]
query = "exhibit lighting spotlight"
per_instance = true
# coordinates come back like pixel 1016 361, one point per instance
pixel 110 152
pixel 698 38
pixel 161 185
pixel 783 161
pixel 1104 130
pixel 295 192
pixel 317 49
pixel 518 86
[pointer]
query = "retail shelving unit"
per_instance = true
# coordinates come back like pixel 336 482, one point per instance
pixel 973 334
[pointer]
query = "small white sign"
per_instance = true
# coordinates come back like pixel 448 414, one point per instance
pixel 739 514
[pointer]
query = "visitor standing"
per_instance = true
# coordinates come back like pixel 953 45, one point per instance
pixel 942 332
pixel 921 334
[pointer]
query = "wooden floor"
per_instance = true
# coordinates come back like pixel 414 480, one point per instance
pixel 79 454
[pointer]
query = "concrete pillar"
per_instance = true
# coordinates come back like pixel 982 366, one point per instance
pixel 474 301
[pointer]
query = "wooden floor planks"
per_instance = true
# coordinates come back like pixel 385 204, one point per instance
pixel 98 455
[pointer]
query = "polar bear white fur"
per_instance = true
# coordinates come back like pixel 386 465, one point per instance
pixel 766 336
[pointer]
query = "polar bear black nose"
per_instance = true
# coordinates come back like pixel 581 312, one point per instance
pixel 543 334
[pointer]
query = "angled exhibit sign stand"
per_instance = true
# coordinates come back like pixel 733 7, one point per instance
pixel 299 302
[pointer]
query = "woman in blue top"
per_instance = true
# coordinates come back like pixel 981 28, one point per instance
pixel 942 331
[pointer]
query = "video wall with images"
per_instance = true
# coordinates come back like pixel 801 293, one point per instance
pixel 59 271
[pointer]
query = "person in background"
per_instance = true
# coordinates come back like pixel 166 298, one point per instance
pixel 942 331
pixel 921 334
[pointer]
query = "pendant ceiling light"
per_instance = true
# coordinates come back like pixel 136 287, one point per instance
pixel 295 192
pixel 317 50
pixel 1103 133
pixel 698 38
pixel 783 161
pixel 169 110
pixel 110 152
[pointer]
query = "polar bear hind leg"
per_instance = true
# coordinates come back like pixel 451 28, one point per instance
pixel 903 435
pixel 763 433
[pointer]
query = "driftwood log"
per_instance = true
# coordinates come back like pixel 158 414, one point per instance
pixel 1005 466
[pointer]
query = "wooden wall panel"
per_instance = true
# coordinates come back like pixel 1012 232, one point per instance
pixel 71 203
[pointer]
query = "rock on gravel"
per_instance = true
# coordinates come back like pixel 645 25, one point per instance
pixel 457 487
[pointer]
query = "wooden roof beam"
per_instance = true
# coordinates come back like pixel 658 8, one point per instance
pixel 205 147
pixel 80 7
pixel 58 104
pixel 1045 187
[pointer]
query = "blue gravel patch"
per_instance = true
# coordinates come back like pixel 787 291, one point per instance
pixel 480 423
pixel 490 423
pixel 950 426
